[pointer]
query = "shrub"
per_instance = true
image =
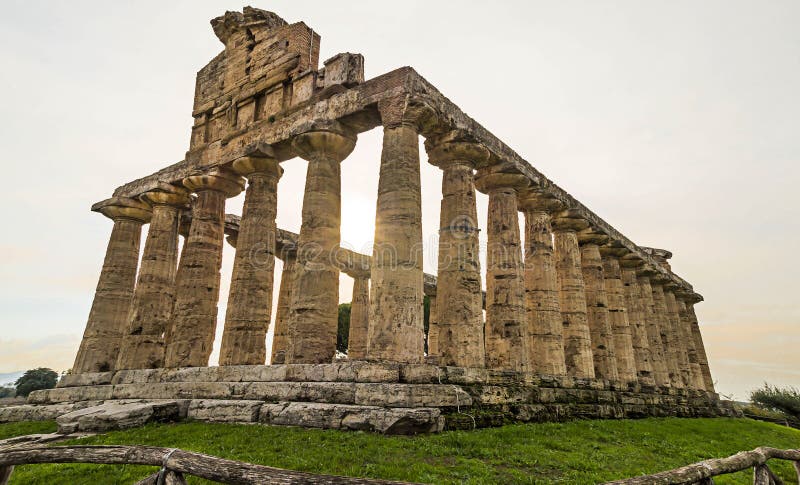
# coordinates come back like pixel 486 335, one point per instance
pixel 36 379
pixel 786 400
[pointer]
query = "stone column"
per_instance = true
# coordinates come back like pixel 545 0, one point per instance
pixel 280 336
pixel 682 338
pixel 657 350
pixel 108 318
pixel 359 318
pixel 618 315
pixel 313 318
pixel 506 322
pixel 250 299
pixel 396 331
pixel 668 336
pixel 602 335
pixel 151 313
pixel 695 372
pixel 636 317
pixel 698 343
pixel 577 336
pixel 460 315
pixel 197 290
pixel 433 328
pixel 542 306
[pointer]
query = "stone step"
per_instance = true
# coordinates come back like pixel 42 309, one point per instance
pixel 365 394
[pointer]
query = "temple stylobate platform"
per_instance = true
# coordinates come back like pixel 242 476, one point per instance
pixel 578 322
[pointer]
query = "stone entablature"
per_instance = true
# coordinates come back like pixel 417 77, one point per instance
pixel 579 301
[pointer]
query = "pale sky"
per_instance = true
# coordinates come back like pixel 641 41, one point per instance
pixel 675 121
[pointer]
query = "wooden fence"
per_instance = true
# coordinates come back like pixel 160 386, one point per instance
pixel 703 472
pixel 174 465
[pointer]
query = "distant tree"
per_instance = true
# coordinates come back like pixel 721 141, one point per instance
pixel 786 400
pixel 7 392
pixel 343 329
pixel 36 379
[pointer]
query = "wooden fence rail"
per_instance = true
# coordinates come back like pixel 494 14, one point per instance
pixel 704 472
pixel 175 464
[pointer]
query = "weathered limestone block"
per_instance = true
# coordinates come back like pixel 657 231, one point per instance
pixel 542 305
pixel 411 395
pixel 460 340
pixel 280 337
pixel 70 394
pixel 108 318
pixel 618 316
pixel 39 412
pixel 401 421
pixel 682 340
pixel 330 392
pixel 315 295
pixel 603 352
pixel 223 411
pixel 577 337
pixel 696 373
pixel 506 320
pixel 85 379
pixel 151 312
pixel 359 320
pixel 179 390
pixel 396 330
pixel 657 351
pixel 191 335
pixel 701 349
pixel 669 338
pixel 250 301
pixel 113 415
pixel 636 318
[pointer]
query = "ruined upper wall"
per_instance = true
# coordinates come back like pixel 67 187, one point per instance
pixel 268 65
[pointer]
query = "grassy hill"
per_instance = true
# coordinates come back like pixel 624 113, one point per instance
pixel 575 452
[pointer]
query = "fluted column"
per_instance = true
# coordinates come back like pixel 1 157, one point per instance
pixel 657 350
pixel 618 315
pixel 250 299
pixel 151 313
pixel 603 349
pixel 197 289
pixel 433 327
pixel 668 335
pixel 313 319
pixel 699 345
pixel 359 319
pixel 396 331
pixel 460 314
pixel 695 372
pixel 506 322
pixel 577 336
pixel 636 316
pixel 542 305
pixel 280 336
pixel 108 318
pixel 681 342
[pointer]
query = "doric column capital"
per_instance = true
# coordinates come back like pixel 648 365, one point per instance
pixel 167 194
pixel 250 165
pixel 631 260
pixel 534 200
pixel 454 147
pixel 591 236
pixel 489 179
pixel 402 110
pixel 329 141
pixel 569 220
pixel 117 208
pixel 612 250
pixel 218 180
pixel 648 271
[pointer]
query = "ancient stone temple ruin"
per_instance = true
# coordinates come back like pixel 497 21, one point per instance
pixel 580 322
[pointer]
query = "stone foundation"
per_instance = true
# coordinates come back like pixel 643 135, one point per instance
pixel 382 397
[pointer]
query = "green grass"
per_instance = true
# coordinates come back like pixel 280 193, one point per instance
pixel 574 452
pixel 10 430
